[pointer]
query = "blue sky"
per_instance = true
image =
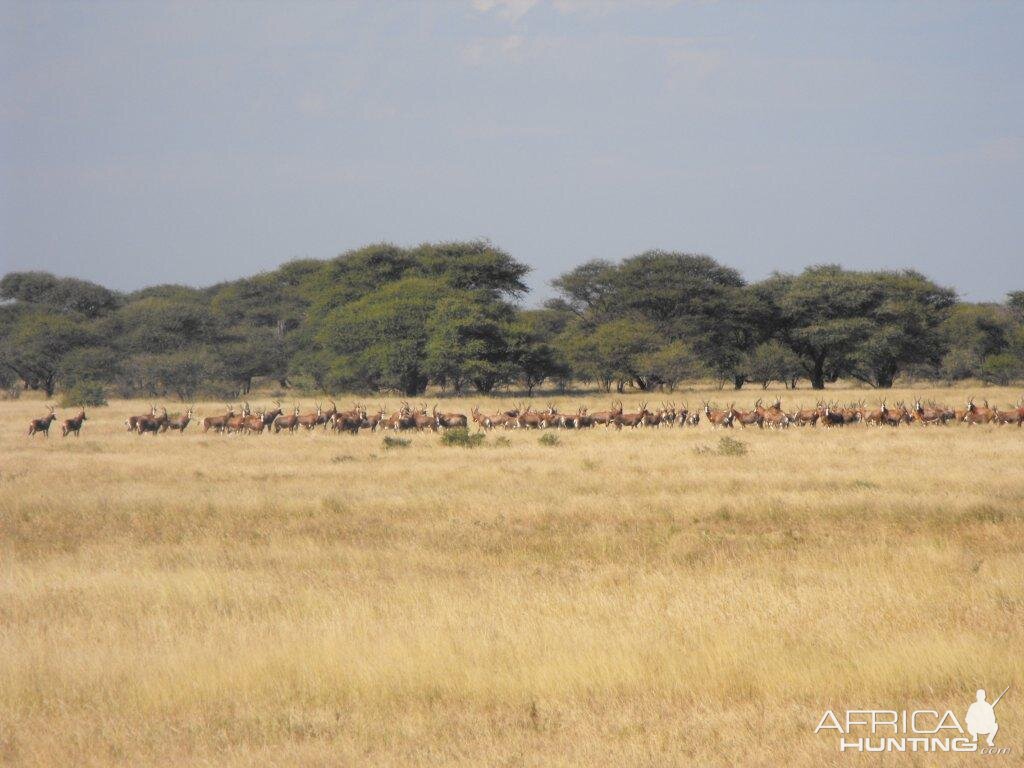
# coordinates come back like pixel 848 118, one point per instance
pixel 178 142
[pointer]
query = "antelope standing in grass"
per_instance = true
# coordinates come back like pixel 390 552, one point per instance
pixel 289 423
pixel 310 420
pixel 180 423
pixel 153 424
pixel 608 417
pixel 718 419
pixel 216 423
pixel 43 424
pixel 450 420
pixel 132 421
pixel 632 420
pixel 72 425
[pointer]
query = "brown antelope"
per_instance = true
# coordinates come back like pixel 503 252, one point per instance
pixel 348 421
pixel 326 417
pixel 930 414
pixel 238 423
pixel 449 420
pixel 401 419
pixel 154 424
pixel 978 415
pixel 422 420
pixel 216 423
pixel 529 419
pixel 749 418
pixel 180 423
pixel 830 417
pixel 310 420
pixel 667 415
pixel 718 419
pixel 877 417
pixel 632 420
pixel 1014 416
pixel 72 425
pixel 804 417
pixel 608 417
pixel 485 422
pixel 373 420
pixel 269 417
pixel 686 418
pixel 43 424
pixel 132 421
pixel 289 423
pixel 255 422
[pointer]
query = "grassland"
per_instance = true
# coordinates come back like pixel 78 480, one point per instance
pixel 616 599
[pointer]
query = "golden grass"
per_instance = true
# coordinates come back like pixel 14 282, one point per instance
pixel 618 599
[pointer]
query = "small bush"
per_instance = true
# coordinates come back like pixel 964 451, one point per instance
pixel 84 393
pixel 461 438
pixel 550 439
pixel 395 442
pixel 728 446
pixel 501 442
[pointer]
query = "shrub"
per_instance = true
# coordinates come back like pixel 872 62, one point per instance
pixel 728 446
pixel 83 393
pixel 461 438
pixel 501 442
pixel 395 442
pixel 550 439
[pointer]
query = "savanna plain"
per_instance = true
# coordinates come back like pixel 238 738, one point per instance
pixel 618 598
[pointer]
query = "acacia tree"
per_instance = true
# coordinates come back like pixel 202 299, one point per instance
pixel 35 345
pixel 869 325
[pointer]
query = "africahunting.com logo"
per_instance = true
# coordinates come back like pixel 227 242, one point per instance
pixel 917 730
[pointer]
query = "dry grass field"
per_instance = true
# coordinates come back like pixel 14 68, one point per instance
pixel 616 599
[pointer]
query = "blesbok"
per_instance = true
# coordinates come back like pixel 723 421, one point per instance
pixel 154 424
pixel 831 417
pixel 373 420
pixel 180 423
pixel 450 420
pixel 804 417
pixel 132 421
pixel 529 419
pixel 310 420
pixel 930 414
pixel 422 420
pixel 72 425
pixel 239 422
pixel 608 417
pixel 326 417
pixel 348 421
pixel 877 417
pixel 269 417
pixel 686 418
pixel 43 424
pixel 486 422
pixel 255 422
pixel 749 418
pixel 289 423
pixel 216 423
pixel 401 419
pixel 718 419
pixel 633 420
pixel 978 415
pixel 1013 416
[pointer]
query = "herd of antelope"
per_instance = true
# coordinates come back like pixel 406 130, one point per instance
pixel 829 415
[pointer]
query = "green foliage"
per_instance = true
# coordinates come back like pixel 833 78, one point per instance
pixel 729 446
pixel 60 295
pixel 84 393
pixel 771 361
pixel 390 442
pixel 462 438
pixel 35 344
pixel 1002 369
pixel 549 439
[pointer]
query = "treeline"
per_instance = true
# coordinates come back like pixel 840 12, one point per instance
pixel 385 318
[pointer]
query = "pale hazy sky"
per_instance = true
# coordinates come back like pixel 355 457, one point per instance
pixel 143 143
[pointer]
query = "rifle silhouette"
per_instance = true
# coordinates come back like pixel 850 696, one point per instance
pixel 1000 696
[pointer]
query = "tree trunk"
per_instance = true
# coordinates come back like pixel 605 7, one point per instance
pixel 738 382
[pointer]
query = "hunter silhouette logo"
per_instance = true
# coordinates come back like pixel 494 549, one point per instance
pixel 981 717
pixel 917 730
